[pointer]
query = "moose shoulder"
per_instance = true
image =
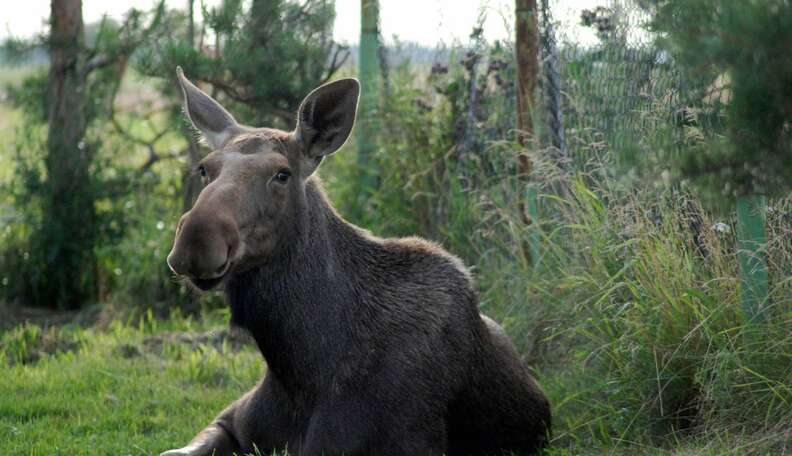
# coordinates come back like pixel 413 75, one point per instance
pixel 373 346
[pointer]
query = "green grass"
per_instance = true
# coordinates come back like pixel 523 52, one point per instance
pixel 120 391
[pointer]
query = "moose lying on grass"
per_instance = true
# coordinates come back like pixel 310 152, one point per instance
pixel 373 346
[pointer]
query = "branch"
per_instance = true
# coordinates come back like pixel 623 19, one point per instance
pixel 229 90
pixel 99 61
pixel 153 156
pixel 335 64
pixel 300 12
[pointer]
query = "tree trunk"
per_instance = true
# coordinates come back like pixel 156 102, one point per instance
pixel 68 230
pixel 527 48
pixel 527 56
pixel 191 23
pixel 368 112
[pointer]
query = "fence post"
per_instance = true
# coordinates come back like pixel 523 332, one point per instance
pixel 368 115
pixel 751 256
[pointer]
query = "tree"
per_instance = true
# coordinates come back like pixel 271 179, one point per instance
pixel 69 218
pixel 86 67
pixel 264 58
pixel 527 57
pixel 736 55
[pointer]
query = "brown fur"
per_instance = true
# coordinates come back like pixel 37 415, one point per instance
pixel 373 346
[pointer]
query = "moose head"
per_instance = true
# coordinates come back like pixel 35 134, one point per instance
pixel 254 180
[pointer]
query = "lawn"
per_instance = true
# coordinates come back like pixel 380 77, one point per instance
pixel 128 389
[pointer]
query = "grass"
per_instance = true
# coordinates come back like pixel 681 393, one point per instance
pixel 148 385
pixel 129 389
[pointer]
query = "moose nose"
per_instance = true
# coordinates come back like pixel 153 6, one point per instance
pixel 205 245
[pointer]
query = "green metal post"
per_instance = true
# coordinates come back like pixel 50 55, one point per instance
pixel 751 256
pixel 532 203
pixel 368 111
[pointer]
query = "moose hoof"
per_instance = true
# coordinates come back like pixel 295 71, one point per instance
pixel 189 450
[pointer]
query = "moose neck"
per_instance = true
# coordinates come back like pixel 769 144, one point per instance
pixel 298 306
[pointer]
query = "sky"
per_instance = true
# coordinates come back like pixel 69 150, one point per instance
pixel 428 22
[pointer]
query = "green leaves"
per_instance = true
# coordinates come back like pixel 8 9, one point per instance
pixel 740 49
pixel 264 58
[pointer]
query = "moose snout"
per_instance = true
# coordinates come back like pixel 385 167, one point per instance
pixel 205 246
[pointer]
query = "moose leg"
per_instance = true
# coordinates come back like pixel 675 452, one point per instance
pixel 214 439
pixel 261 417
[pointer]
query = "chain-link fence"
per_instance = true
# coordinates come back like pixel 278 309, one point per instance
pixel 606 83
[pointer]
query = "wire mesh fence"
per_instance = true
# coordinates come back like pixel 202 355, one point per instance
pixel 606 82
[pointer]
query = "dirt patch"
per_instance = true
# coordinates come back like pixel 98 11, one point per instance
pixel 232 338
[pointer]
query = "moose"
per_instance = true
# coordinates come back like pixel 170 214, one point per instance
pixel 373 346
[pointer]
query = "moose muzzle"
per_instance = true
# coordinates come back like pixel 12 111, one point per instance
pixel 205 247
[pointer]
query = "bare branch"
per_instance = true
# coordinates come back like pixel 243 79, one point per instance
pixel 335 63
pixel 229 90
pixel 97 62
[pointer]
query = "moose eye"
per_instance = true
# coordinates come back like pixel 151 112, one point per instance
pixel 283 176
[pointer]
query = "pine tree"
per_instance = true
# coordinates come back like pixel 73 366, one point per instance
pixel 737 55
pixel 265 56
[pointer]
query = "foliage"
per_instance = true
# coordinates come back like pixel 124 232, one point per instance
pixel 652 317
pixel 250 42
pixel 28 343
pixel 735 52
pixel 58 190
pixel 434 124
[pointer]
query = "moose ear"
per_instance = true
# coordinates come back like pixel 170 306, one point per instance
pixel 326 117
pixel 207 115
